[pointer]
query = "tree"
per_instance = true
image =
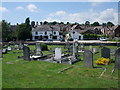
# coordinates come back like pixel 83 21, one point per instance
pixel 40 23
pixel 33 24
pixel 68 23
pixel 61 22
pixel 87 23
pixel 6 32
pixel 110 24
pixel 54 23
pixel 96 24
pixel 45 22
pixel 24 30
pixel 27 21
pixel 104 24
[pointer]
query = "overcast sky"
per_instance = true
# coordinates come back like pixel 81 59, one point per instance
pixel 17 12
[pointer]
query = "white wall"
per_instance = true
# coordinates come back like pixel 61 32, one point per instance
pixel 75 35
pixel 48 34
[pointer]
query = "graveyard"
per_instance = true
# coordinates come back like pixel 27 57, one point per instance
pixel 60 66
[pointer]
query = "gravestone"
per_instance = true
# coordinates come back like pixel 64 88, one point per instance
pixel 117 59
pixel 95 50
pixel 105 52
pixel 16 47
pixel 90 47
pixel 9 48
pixel 20 45
pixel 88 58
pixel 112 51
pixel 38 50
pixel 58 53
pixel 4 51
pixel 26 53
pixel 75 49
pixel 102 45
pixel 82 46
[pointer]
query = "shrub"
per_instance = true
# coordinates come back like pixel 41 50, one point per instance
pixel 102 61
pixel 44 47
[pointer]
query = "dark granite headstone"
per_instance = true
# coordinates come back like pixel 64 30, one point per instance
pixel 38 49
pixel 26 53
pixel 117 59
pixel 88 58
pixel 105 52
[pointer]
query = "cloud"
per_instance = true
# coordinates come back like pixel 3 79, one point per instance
pixel 3 9
pixel 81 17
pixel 19 8
pixel 32 8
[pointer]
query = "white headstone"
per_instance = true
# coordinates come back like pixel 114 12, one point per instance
pixel 9 48
pixel 57 53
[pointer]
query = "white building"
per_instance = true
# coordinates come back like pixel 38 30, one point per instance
pixel 46 32
pixel 75 35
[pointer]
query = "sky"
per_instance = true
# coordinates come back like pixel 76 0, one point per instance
pixel 17 12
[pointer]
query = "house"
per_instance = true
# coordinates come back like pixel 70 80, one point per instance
pixel 46 32
pixel 76 35
pixel 117 32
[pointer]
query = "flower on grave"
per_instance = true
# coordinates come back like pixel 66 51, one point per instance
pixel 102 61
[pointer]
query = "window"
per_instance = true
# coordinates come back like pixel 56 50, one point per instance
pixel 45 33
pixel 36 32
pixel 54 32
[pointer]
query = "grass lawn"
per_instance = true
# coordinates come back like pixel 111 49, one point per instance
pixel 41 74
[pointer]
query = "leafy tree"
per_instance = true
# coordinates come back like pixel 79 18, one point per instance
pixel 96 24
pixel 33 24
pixel 41 23
pixel 104 24
pixel 24 30
pixel 87 23
pixel 110 24
pixel 61 22
pixel 45 22
pixel 6 32
pixel 68 23
pixel 54 23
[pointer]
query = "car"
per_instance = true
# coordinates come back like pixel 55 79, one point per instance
pixel 103 39
pixel 70 39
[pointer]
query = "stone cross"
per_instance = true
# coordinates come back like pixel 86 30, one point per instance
pixel 26 53
pixel 117 59
pixel 88 58
pixel 38 49
pixel 105 52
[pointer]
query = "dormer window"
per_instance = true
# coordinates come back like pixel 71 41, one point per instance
pixel 45 33
pixel 36 33
pixel 54 32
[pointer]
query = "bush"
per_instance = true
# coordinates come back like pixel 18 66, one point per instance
pixel 44 47
pixel 102 61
